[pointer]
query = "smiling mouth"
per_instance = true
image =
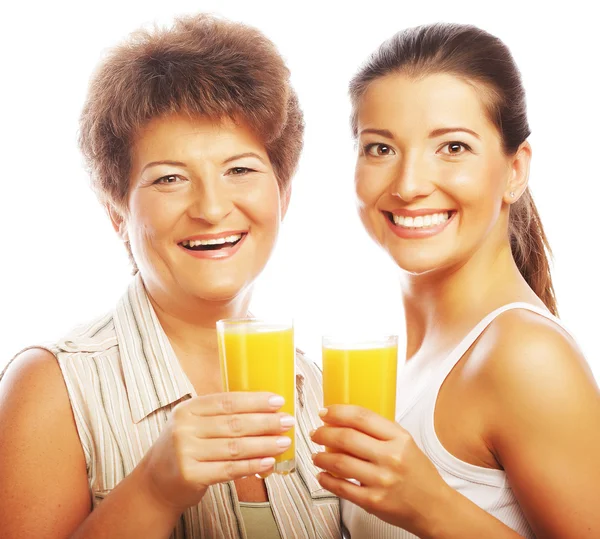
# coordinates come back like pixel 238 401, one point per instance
pixel 212 244
pixel 420 222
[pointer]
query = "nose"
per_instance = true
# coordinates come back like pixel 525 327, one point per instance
pixel 211 200
pixel 412 179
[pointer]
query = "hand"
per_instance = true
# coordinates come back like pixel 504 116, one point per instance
pixel 398 483
pixel 213 439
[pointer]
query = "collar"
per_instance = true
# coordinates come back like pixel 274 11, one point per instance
pixel 153 376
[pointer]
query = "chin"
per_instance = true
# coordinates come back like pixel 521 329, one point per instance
pixel 219 292
pixel 420 263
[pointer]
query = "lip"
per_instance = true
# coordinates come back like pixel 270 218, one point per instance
pixel 405 212
pixel 417 233
pixel 216 236
pixel 220 254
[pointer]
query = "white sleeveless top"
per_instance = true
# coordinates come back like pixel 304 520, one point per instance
pixel 488 488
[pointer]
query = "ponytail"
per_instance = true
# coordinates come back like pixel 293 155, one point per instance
pixel 531 250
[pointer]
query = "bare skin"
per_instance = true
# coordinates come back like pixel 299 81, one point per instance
pixel 522 399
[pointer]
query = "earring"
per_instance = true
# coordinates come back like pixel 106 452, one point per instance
pixel 512 194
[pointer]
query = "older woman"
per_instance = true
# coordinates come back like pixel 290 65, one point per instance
pixel 192 135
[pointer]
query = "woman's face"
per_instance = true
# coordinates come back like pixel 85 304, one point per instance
pixel 432 179
pixel 204 207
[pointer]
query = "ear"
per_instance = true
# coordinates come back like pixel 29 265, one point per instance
pixel 519 174
pixel 284 200
pixel 118 221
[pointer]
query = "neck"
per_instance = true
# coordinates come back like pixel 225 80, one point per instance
pixel 190 324
pixel 442 306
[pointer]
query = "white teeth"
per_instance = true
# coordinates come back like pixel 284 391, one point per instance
pixel 421 221
pixel 215 241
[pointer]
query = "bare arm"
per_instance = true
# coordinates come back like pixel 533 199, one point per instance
pixel 44 488
pixel 547 436
pixel 36 428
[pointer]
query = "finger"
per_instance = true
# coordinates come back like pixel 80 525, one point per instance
pixel 242 402
pixel 342 465
pixel 211 473
pixel 350 441
pixel 224 449
pixel 240 425
pixel 362 496
pixel 361 419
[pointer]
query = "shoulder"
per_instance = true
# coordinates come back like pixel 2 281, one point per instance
pixel 521 346
pixel 33 377
pixel 34 406
pixel 97 335
pixel 543 412
pixel 42 457
pixel 534 376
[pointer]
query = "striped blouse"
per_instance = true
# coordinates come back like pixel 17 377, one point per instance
pixel 123 380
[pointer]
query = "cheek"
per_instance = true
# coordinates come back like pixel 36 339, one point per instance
pixel 476 186
pixel 369 184
pixel 153 217
pixel 262 205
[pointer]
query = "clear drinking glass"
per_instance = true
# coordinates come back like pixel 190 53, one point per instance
pixel 259 355
pixel 361 372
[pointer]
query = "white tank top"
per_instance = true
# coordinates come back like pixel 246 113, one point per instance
pixel 488 488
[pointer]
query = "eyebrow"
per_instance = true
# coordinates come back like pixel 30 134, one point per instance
pixel 241 155
pixel 165 162
pixel 446 130
pixel 382 132
pixel 182 164
pixel 435 133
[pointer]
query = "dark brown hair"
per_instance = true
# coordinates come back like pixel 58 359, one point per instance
pixel 201 66
pixel 471 53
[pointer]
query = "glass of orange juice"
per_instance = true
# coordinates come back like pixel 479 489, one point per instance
pixel 259 355
pixel 361 372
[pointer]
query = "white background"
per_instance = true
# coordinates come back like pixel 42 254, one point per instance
pixel 62 263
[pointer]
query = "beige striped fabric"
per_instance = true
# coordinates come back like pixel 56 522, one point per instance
pixel 123 380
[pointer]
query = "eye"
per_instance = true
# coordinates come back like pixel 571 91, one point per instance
pixel 167 180
pixel 455 148
pixel 239 171
pixel 378 149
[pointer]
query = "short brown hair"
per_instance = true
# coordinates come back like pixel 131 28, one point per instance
pixel 201 66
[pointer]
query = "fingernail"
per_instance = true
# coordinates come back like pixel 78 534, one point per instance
pixel 277 401
pixel 266 463
pixel 284 441
pixel 313 456
pixel 312 432
pixel 323 412
pixel 287 421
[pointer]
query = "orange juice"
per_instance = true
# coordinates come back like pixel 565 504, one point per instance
pixel 258 356
pixel 363 374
